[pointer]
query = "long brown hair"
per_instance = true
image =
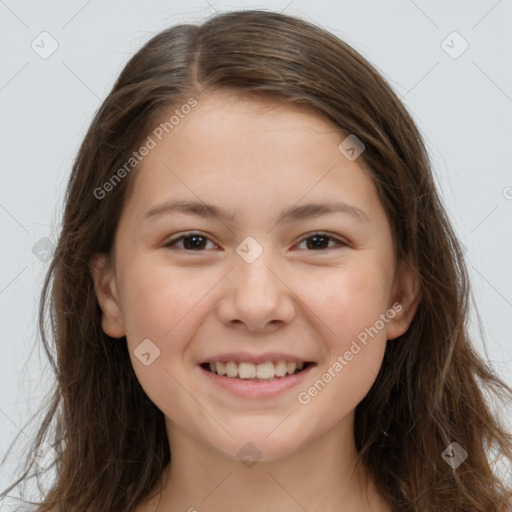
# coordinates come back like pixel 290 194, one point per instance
pixel 432 389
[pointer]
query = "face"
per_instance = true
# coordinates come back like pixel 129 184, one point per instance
pixel 292 267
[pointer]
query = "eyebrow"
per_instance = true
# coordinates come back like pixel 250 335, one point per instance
pixel 293 213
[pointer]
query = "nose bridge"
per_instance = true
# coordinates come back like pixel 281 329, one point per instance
pixel 252 269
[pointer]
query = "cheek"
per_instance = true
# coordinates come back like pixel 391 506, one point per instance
pixel 354 336
pixel 350 304
pixel 351 299
pixel 161 304
pixel 159 300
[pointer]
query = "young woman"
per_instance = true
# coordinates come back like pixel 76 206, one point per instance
pixel 257 299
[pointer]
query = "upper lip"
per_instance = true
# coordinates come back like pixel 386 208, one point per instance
pixel 254 358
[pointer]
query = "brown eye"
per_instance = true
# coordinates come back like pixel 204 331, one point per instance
pixel 320 241
pixel 194 242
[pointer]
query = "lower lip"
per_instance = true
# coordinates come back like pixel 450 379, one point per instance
pixel 249 389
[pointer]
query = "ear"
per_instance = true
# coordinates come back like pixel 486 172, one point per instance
pixel 406 298
pixel 112 321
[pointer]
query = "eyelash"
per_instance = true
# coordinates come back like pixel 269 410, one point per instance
pixel 171 243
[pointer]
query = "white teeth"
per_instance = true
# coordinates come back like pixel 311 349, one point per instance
pixel 281 369
pixel 246 370
pixel 268 370
pixel 231 369
pixel 221 368
pixel 291 367
pixel 265 370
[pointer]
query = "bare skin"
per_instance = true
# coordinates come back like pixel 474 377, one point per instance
pixel 255 159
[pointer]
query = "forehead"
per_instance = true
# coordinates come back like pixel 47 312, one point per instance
pixel 241 152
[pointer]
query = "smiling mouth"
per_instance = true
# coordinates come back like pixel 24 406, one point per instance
pixel 262 372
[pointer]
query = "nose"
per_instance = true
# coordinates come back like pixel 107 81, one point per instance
pixel 257 298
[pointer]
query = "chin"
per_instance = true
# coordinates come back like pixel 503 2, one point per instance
pixel 259 446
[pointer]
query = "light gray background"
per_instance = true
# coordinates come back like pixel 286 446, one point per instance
pixel 462 105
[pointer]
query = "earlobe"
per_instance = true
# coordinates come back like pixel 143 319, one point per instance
pixel 405 301
pixel 112 321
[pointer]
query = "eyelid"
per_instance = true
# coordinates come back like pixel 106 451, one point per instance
pixel 340 241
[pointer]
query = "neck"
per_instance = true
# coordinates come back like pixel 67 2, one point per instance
pixel 321 477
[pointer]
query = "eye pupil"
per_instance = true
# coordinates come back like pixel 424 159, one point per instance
pixel 198 240
pixel 318 240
